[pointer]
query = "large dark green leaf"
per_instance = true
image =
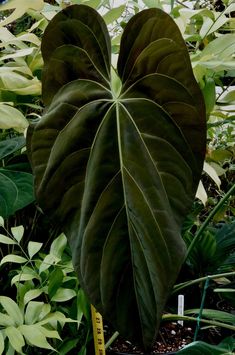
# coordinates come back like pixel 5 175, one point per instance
pixel 119 171
pixel 16 191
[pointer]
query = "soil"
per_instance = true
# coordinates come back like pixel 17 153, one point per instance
pixel 171 338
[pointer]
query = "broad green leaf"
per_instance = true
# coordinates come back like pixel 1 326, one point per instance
pixel 16 339
pixel 34 336
pixel 214 314
pixel 1 221
pixel 14 81
pixel 16 191
pixel 12 309
pixel 29 37
pixel 83 306
pixel 6 320
pixel 11 258
pixel 212 173
pixel 10 117
pixel 47 262
pixel 127 158
pixel 114 14
pixel 209 94
pixel 10 146
pixel 32 294
pixel 33 248
pixel 45 312
pixel 18 232
pixel 33 311
pixel 10 350
pixel 153 3
pixel 63 295
pixel 68 345
pixel 6 240
pixel 2 345
pixel 22 277
pixel 53 334
pixel 55 281
pixel 58 246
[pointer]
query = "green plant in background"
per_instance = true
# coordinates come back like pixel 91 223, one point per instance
pixel 49 301
pixel 127 157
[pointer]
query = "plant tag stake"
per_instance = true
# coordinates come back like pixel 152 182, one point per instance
pixel 181 308
pixel 97 323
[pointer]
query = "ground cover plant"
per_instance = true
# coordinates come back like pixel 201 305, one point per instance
pixel 212 59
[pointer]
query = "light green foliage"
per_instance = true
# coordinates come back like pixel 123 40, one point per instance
pixel 30 321
pixel 210 38
pixel 20 8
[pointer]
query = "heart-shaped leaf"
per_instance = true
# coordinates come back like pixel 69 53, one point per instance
pixel 119 169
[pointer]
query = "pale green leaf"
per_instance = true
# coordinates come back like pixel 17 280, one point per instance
pixel 50 333
pixel 17 54
pixel 33 248
pixel 58 246
pixel 34 336
pixel 10 117
pixel 46 308
pixel 218 168
pixel 6 36
pixel 48 261
pixel 33 312
pixel 63 295
pixel 11 258
pixel 32 294
pixel 114 14
pixel 29 37
pixel 201 193
pixel 1 221
pixel 91 3
pixel 212 173
pixel 53 318
pixel 6 320
pixel 153 3
pixel 20 8
pixel 229 9
pixel 22 277
pixel 10 350
pixel 18 233
pixel 12 309
pixel 2 345
pixel 6 240
pixel 19 84
pixel 15 338
pixel 229 98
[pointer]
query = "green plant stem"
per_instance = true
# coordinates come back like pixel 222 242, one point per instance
pixel 173 317
pixel 199 317
pixel 111 340
pixel 206 222
pixel 201 279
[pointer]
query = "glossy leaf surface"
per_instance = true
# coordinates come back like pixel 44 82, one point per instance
pixel 119 171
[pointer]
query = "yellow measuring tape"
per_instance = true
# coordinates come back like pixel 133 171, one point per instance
pixel 98 332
